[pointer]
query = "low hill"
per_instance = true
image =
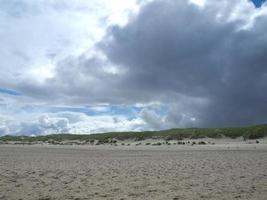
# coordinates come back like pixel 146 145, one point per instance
pixel 253 132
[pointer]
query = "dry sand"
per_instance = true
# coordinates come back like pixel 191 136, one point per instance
pixel 224 171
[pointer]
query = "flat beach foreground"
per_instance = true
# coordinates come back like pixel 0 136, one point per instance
pixel 107 172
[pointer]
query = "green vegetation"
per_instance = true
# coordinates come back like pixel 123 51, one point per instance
pixel 202 143
pixel 253 132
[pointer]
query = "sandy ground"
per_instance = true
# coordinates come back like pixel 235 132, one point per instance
pixel 223 171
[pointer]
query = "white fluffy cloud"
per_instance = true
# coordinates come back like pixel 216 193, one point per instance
pixel 35 35
pixel 69 122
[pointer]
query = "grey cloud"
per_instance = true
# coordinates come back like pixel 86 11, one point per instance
pixel 3 130
pixel 44 125
pixel 177 47
pixel 152 119
pixel 53 123
pixel 170 46
pixel 177 119
pixel 3 125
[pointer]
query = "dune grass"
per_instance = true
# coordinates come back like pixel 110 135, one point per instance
pixel 253 132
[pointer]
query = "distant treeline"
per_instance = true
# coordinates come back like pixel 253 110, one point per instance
pixel 253 132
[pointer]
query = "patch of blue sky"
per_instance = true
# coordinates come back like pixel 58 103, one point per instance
pixel 258 3
pixel 31 109
pixel 127 111
pixel 9 92
pixel 56 109
pixel 10 109
pixel 3 106
pixel 130 112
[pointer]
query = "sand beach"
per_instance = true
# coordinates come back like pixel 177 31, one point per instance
pixel 222 171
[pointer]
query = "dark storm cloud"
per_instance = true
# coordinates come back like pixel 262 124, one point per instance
pixel 169 45
pixel 175 47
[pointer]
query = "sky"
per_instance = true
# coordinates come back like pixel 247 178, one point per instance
pixel 96 66
pixel 258 3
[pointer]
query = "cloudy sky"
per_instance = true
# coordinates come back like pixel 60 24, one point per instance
pixel 78 66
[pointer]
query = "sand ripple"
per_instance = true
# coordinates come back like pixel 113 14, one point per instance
pixel 47 173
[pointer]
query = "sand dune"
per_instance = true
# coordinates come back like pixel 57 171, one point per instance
pixel 143 172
